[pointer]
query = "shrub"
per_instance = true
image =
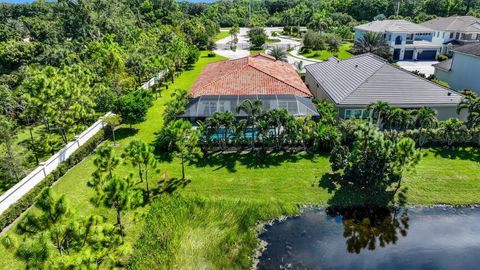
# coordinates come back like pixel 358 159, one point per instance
pixel 442 57
pixel 306 50
pixel 317 54
pixel 211 54
pixel 16 209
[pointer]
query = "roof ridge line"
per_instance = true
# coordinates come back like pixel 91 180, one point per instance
pixel 310 94
pixel 225 75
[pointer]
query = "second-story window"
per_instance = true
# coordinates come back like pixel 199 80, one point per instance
pixel 451 35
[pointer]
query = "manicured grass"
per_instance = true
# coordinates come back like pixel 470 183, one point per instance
pixel 255 51
pixel 324 54
pixel 273 40
pixel 221 35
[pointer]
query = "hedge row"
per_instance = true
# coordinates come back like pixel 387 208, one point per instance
pixel 16 209
pixel 442 137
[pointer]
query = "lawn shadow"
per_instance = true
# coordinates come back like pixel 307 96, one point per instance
pixel 252 160
pixel 170 185
pixel 463 153
pixel 124 132
pixel 348 195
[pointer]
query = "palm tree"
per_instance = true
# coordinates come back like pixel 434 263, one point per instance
pixel 299 66
pixel 472 105
pixel 279 54
pixel 372 42
pixel 379 110
pixel 426 118
pixel 227 121
pixel 253 109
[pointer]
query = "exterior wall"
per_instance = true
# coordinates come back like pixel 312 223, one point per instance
pixel 444 112
pixel 464 73
pixel 358 34
pixel 315 88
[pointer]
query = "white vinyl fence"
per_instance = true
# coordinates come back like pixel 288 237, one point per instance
pixel 45 168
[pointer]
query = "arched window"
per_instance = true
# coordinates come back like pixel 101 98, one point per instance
pixel 398 40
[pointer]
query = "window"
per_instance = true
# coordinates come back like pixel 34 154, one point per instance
pixel 355 113
pixel 443 35
pixel 209 107
pixel 457 36
pixel 451 35
pixel 291 106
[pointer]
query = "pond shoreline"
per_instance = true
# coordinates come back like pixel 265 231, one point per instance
pixel 262 226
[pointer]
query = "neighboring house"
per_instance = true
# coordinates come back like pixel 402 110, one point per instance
pixel 352 84
pixel 454 31
pixel 462 71
pixel 407 40
pixel 223 85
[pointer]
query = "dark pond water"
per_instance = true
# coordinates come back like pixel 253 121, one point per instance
pixel 416 238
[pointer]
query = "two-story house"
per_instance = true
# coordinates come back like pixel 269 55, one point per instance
pixel 454 31
pixel 407 40
pixel 462 71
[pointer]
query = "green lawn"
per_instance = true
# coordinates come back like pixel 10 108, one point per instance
pixel 229 193
pixel 221 35
pixel 324 54
pixel 254 51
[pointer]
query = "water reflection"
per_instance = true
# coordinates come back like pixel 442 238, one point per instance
pixel 384 239
pixel 369 228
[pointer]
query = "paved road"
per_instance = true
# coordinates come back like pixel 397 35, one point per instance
pixel 243 41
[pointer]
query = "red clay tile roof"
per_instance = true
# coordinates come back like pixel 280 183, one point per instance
pixel 258 74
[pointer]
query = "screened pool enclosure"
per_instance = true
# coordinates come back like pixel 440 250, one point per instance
pixel 204 106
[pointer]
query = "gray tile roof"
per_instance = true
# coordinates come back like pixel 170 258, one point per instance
pixel 445 65
pixel 398 26
pixel 454 23
pixel 473 49
pixel 367 78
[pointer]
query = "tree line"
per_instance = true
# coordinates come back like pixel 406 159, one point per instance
pixel 65 63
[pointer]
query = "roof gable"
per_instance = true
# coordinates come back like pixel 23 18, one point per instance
pixel 367 79
pixel 398 26
pixel 454 23
pixel 253 75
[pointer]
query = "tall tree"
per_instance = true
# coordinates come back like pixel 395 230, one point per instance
pixel 186 142
pixel 105 162
pixel 140 154
pixel 12 164
pixel 119 193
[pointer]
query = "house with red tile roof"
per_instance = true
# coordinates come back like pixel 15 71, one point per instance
pixel 223 85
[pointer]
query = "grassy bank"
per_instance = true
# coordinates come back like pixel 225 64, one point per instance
pixel 343 53
pixel 200 233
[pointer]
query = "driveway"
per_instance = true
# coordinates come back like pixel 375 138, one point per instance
pixel 424 67
pixel 242 50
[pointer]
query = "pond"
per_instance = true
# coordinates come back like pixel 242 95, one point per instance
pixel 413 238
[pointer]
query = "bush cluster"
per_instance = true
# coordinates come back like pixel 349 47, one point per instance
pixel 16 209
